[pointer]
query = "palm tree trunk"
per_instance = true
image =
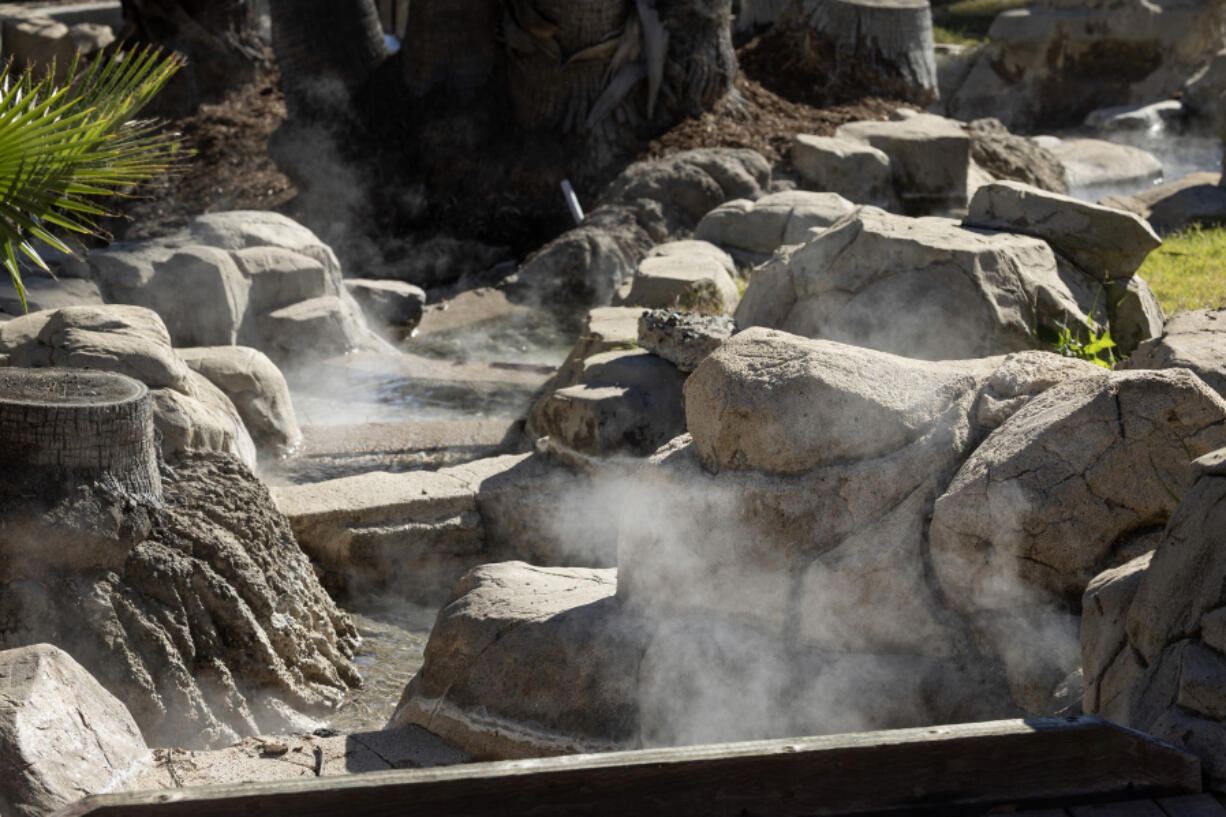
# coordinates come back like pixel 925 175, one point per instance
pixel 218 37
pixel 326 50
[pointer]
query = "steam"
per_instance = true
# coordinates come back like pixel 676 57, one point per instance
pixel 758 630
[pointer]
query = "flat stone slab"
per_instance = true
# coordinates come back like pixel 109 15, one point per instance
pixel 385 438
pixel 1101 240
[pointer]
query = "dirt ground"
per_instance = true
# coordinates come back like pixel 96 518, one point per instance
pixel 231 167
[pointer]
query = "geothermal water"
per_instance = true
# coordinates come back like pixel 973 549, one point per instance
pixel 394 632
pixel 1180 154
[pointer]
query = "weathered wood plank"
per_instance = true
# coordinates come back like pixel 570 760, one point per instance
pixel 1129 808
pixel 1192 805
pixel 996 762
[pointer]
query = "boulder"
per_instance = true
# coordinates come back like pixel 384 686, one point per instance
pixel 527 661
pixel 651 202
pixel 1190 340
pixel 607 328
pixel 205 421
pixel 627 401
pixel 257 389
pixel 1050 64
pixel 1104 242
pixel 1097 163
pixel 415 533
pixel 742 415
pixel 1004 155
pixel 127 340
pixel 763 226
pixel 1104 637
pixel 62 735
pixel 46 294
pixel 198 290
pixel 929 158
pixel 856 171
pixel 926 288
pixel 1018 525
pixel 693 247
pixel 1168 675
pixel 254 278
pixel 1133 312
pixel 696 282
pixel 390 303
pixel 324 326
pixel 683 338
pixel 1196 199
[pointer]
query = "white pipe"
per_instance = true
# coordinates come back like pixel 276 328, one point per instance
pixel 572 201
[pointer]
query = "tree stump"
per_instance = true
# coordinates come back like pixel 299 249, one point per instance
pixel 60 428
pixel 78 470
pixel 884 45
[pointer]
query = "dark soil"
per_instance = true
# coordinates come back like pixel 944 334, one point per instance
pixel 231 167
pixel 764 121
pixel 230 170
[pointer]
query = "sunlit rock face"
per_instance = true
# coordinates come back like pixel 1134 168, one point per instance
pixel 818 554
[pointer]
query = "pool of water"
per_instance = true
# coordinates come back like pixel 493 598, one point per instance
pixel 1179 153
pixel 394 634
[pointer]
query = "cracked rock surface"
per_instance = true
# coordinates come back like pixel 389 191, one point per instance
pixel 1074 482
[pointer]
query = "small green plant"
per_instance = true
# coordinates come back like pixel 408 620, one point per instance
pixel 1099 349
pixel 64 147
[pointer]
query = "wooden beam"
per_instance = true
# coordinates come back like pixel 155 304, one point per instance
pixel 996 762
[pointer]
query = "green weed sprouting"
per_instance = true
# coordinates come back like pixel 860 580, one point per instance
pixel 1099 349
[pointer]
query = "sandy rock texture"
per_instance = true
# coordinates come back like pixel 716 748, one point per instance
pixel 215 626
pixel 62 735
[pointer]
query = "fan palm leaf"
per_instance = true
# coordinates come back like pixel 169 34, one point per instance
pixel 64 147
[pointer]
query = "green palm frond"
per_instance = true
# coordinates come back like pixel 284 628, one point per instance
pixel 64 147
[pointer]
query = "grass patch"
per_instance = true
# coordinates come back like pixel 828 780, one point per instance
pixel 1189 270
pixel 968 20
pixel 947 36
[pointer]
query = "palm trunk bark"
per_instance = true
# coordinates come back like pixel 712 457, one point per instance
pixel 326 50
pixel 219 38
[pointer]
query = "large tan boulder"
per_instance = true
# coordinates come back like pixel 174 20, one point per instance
pixel 817 403
pixel 930 158
pixel 248 277
pixel 762 226
pixel 256 387
pixel 1070 483
pixel 625 401
pixel 1102 241
pixel 1167 675
pixel 678 281
pixel 204 421
pixel 924 288
pixel 527 661
pixel 129 340
pixel 856 171
pixel 62 735
pixel 1190 340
